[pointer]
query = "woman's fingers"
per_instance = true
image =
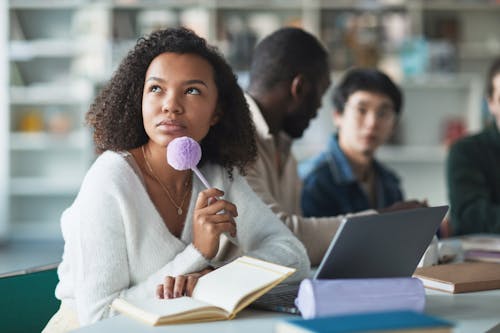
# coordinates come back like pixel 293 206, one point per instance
pixel 216 224
pixel 191 283
pixel 168 287
pixel 179 286
pixel 207 205
pixel 159 291
pixel 205 195
pixel 210 220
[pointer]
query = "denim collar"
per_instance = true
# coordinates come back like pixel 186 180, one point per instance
pixel 339 164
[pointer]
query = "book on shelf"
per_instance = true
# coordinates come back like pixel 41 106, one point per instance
pixel 461 277
pixel 218 295
pixel 480 255
pixel 484 242
pixel 391 321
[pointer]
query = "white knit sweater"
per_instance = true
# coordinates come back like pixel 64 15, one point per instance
pixel 116 243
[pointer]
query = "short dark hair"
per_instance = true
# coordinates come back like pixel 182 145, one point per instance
pixel 284 54
pixel 494 71
pixel 116 114
pixel 371 80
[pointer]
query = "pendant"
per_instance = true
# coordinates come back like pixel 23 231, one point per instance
pixel 179 211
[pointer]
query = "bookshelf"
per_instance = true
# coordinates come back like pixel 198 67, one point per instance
pixel 61 51
pixel 49 90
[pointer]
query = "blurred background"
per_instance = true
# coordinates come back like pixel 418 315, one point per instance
pixel 56 54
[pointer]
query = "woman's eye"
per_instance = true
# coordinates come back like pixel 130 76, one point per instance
pixel 155 88
pixel 193 91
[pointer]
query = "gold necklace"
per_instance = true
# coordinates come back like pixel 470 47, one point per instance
pixel 164 188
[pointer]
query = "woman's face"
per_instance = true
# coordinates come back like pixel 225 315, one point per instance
pixel 179 98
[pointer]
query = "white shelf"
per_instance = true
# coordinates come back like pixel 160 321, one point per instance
pixel 48 141
pixel 479 50
pixel 50 94
pixel 439 81
pixel 412 154
pixel 46 4
pixel 454 5
pixel 171 4
pixel 39 186
pixel 262 4
pixel 49 48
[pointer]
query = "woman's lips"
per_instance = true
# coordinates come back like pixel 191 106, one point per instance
pixel 170 127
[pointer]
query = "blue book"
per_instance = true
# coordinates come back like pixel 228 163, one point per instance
pixel 394 321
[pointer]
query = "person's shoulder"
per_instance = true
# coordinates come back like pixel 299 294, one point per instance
pixel 311 167
pixel 109 167
pixel 467 144
pixel 110 161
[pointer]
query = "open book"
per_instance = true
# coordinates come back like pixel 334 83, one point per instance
pixel 218 295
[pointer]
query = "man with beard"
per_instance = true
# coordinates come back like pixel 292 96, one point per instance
pixel 288 76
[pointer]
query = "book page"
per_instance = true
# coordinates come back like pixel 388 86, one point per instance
pixel 154 311
pixel 226 286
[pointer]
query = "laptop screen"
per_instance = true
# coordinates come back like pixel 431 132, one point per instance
pixel 380 245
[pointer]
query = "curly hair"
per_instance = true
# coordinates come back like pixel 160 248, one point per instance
pixel 116 114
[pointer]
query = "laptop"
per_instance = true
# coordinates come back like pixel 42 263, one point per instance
pixel 369 246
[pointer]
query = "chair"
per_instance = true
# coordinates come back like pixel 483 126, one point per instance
pixel 27 299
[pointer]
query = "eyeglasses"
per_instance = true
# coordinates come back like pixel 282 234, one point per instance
pixel 384 114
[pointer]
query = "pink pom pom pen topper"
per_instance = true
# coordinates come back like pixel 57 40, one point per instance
pixel 184 153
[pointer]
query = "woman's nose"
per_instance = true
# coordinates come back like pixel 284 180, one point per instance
pixel 171 103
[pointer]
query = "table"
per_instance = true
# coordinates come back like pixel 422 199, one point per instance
pixel 471 312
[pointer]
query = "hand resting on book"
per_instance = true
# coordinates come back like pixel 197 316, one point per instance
pixel 181 285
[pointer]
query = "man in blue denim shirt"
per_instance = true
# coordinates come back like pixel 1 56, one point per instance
pixel 347 178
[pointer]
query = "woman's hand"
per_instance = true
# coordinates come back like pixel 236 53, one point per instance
pixel 182 285
pixel 212 217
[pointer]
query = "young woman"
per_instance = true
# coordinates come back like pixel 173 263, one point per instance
pixel 138 227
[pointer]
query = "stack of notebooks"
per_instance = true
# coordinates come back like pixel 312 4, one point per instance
pixel 481 247
pixel 481 271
